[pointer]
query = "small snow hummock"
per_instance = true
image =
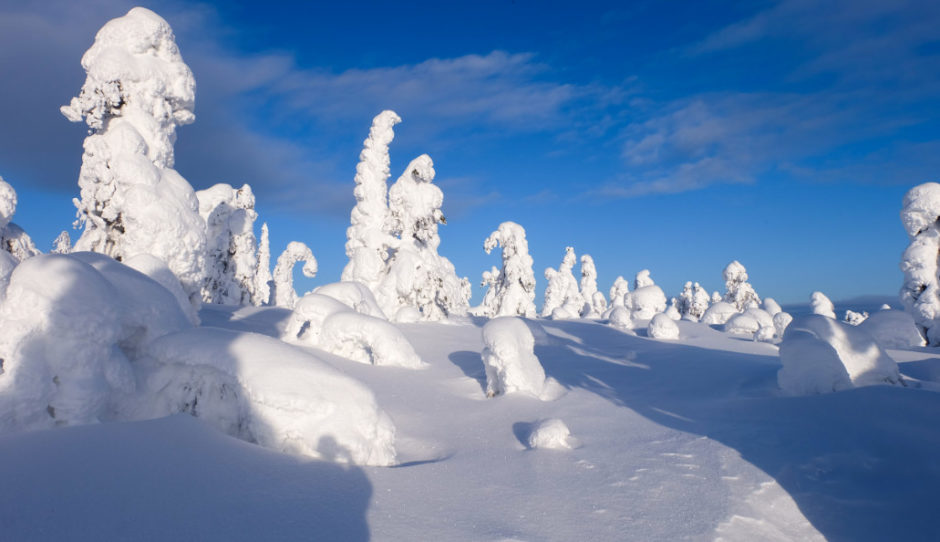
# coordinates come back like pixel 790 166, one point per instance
pixel 511 290
pixel 821 355
pixel 509 358
pixel 719 313
pixel 550 434
pixel 663 327
pixel 855 318
pixel 893 329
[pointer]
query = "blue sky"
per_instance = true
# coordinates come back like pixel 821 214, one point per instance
pixel 663 135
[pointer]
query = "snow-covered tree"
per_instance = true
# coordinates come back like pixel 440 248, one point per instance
pixel 920 293
pixel 855 318
pixel 562 288
pixel 282 290
pixel 820 304
pixel 232 250
pixel 592 308
pixel 137 91
pixel 263 279
pixel 367 238
pixel 62 244
pixel 738 291
pixel 642 280
pixel 417 277
pixel 513 289
pixel 13 239
pixel 618 290
pixel 700 302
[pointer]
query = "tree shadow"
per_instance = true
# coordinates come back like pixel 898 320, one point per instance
pixel 471 364
pixel 849 460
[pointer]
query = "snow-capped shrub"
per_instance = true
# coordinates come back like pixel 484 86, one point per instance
pixel 763 318
pixel 642 280
pixel 282 287
pixel 137 91
pixel 551 434
pixel 367 240
pixel 618 290
pixel 719 313
pixel 672 311
pixel 781 322
pixel 62 244
pixel 893 329
pixel 513 289
pixel 855 318
pixel 771 306
pixel 646 301
pixel 354 295
pixel 263 390
pixel 417 277
pixel 232 261
pixel 820 355
pixel 70 323
pixel 13 240
pixel 509 358
pixel 561 313
pixel 821 305
pixel 738 291
pixel 742 324
pixel 306 320
pixel 157 270
pixel 367 339
pixel 562 288
pixel 920 293
pixel 663 327
pixel 620 318
pixel 594 305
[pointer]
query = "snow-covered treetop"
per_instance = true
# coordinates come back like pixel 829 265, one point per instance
pixel 921 208
pixel 7 203
pixel 415 204
pixel 135 66
pixel 821 304
pixel 514 288
pixel 735 272
pixel 739 291
pixel 643 280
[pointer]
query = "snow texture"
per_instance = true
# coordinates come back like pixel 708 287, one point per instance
pixel 282 287
pixel 821 355
pixel 137 91
pixel 663 327
pixel 820 304
pixel 511 290
pixel 738 291
pixel 262 390
pixel 509 359
pixel 232 261
pixel 550 434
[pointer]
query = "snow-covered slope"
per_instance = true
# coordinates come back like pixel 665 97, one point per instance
pixel 687 439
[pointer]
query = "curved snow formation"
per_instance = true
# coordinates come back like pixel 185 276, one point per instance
pixel 509 358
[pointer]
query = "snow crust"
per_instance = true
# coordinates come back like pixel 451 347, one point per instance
pixel 509 359
pixel 822 355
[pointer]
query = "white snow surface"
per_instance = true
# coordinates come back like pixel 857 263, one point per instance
pixel 695 429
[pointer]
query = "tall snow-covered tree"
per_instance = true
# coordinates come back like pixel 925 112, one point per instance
pixel 282 287
pixel 620 288
pixel 561 290
pixel 642 280
pixel 513 289
pixel 738 291
pixel 417 276
pixel 13 239
pixel 263 278
pixel 920 293
pixel 232 250
pixel 62 244
pixel 693 301
pixel 137 91
pixel 367 238
pixel 592 308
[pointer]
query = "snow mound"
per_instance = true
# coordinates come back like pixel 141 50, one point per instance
pixel 719 313
pixel 781 322
pixel 620 319
pixel 509 358
pixel 70 324
pixel 306 320
pixel 893 329
pixel 367 339
pixel 262 390
pixel 646 301
pixel 821 355
pixel 158 271
pixel 742 324
pixel 820 304
pixel 663 327
pixel 354 295
pixel 551 434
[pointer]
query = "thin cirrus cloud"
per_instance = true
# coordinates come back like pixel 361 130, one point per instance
pixel 862 92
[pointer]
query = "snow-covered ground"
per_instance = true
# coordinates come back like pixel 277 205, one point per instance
pixel 688 439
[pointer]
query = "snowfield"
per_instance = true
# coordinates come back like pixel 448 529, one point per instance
pixel 668 440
